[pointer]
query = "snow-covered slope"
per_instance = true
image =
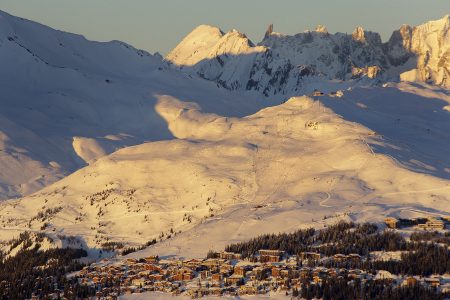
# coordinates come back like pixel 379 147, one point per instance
pixel 66 101
pixel 289 65
pixel 284 167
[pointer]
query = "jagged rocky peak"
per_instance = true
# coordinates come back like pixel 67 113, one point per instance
pixel 430 45
pixel 442 24
pixel 234 43
pixel 269 31
pixel 412 53
pixel 405 32
pixel 363 36
pixel 398 48
pixel 235 34
pixel 321 29
pixel 358 34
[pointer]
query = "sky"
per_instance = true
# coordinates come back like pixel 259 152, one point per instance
pixel 159 25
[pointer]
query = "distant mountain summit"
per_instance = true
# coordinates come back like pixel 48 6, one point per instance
pixel 286 64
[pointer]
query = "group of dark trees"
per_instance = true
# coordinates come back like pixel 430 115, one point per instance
pixel 343 237
pixel 433 236
pixel 292 243
pixel 425 254
pixel 134 249
pixel 40 272
pixel 421 259
pixel 335 288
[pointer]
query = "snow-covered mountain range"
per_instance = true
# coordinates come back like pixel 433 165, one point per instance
pixel 102 142
pixel 66 101
pixel 288 65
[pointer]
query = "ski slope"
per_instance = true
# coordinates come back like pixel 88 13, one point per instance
pixel 285 167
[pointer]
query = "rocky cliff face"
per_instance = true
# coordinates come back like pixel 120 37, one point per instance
pixel 284 64
pixel 429 46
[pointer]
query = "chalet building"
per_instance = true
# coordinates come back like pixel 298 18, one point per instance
pixel 138 281
pixel 339 257
pixel 152 267
pixel 332 273
pixel 248 290
pixel 188 276
pixel 152 259
pixel 197 292
pixel 205 274
pixel 226 269
pixel 317 93
pixel 240 271
pixel 229 255
pixel 317 279
pixel 215 291
pixel 192 263
pixel 259 272
pixel 391 222
pixel 433 224
pixel 354 274
pixel 384 276
pixel 217 278
pixel 270 256
pixel 286 273
pixel 410 281
pixel 433 281
pixel 213 263
pixel 303 256
pixel 354 257
pixel 156 277
pixel 276 271
pixel 234 279
pixel 305 273
pixel 183 274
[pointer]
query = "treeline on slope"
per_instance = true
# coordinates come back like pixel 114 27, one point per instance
pixel 343 237
pixel 338 288
pixel 40 272
pixel 424 259
pixel 421 259
pixel 433 236
pixel 422 255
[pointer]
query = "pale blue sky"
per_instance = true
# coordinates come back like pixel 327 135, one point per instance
pixel 158 25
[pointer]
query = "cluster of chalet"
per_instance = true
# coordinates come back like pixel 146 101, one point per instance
pixel 440 223
pixel 317 93
pixel 227 274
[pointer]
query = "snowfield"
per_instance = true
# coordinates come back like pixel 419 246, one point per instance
pixel 66 101
pixel 229 179
pixel 101 142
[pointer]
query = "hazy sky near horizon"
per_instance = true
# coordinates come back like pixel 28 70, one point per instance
pixel 158 25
